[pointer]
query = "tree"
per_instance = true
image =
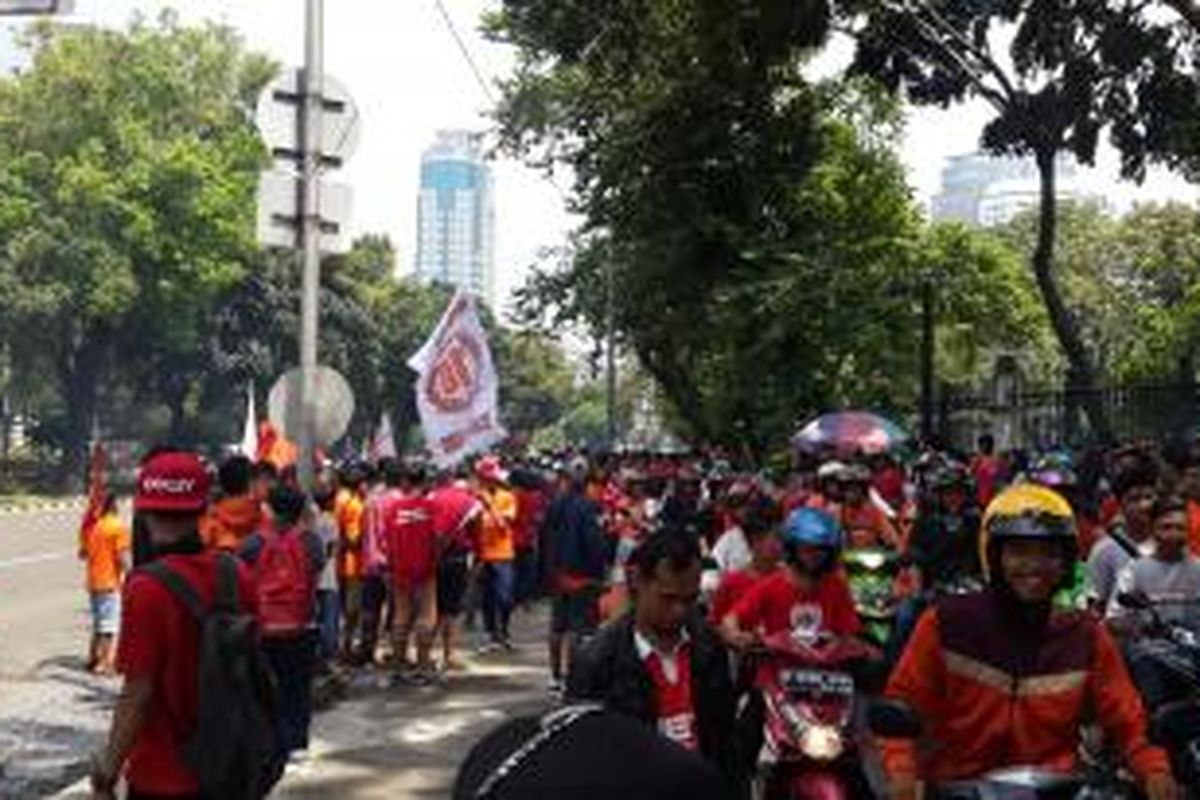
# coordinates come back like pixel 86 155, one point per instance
pixel 686 127
pixel 127 171
pixel 986 304
pixel 1074 69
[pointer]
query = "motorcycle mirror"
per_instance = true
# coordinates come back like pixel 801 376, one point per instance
pixel 1135 600
pixel 893 719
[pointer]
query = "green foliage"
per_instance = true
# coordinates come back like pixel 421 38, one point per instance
pixel 986 305
pixel 1134 282
pixel 127 172
pixel 759 230
pixel 1072 70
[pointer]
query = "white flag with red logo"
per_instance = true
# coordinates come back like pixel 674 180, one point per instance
pixel 457 388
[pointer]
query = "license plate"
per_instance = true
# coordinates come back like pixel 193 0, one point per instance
pixel 816 682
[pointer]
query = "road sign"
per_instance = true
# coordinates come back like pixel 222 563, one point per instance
pixel 334 403
pixel 279 212
pixel 278 115
pixel 14 7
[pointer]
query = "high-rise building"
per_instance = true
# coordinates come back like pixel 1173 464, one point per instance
pixel 988 190
pixel 456 215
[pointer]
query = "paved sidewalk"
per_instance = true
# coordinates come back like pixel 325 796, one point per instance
pixel 407 742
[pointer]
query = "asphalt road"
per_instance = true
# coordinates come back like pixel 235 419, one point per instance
pixel 377 742
pixel 43 605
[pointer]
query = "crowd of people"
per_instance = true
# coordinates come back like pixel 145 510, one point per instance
pixel 1012 631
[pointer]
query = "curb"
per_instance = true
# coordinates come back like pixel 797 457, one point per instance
pixel 40 506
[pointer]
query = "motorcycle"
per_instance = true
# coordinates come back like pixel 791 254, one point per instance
pixel 809 693
pixel 1175 652
pixel 895 719
pixel 872 574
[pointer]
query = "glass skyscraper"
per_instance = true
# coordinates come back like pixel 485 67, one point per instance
pixel 456 215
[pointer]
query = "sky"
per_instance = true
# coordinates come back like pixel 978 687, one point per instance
pixel 409 79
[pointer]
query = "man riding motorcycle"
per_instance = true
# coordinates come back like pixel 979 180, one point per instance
pixel 943 548
pixel 1002 679
pixel 866 525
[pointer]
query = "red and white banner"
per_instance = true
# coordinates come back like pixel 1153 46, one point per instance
pixel 457 388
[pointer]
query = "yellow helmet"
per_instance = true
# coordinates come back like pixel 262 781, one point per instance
pixel 1024 511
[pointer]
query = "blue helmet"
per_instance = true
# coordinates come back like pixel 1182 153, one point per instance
pixel 814 528
pixel 811 526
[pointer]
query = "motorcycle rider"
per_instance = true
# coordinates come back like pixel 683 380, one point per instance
pixel 1170 579
pixel 1135 486
pixel 810 598
pixel 1002 679
pixel 943 548
pixel 865 523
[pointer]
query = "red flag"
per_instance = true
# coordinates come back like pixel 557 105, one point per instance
pixel 274 448
pixel 97 491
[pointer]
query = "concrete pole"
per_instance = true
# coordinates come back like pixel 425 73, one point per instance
pixel 310 232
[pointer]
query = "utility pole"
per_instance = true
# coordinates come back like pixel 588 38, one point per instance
pixel 310 230
pixel 610 349
pixel 927 348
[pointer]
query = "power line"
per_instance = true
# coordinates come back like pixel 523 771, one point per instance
pixel 466 53
pixel 482 81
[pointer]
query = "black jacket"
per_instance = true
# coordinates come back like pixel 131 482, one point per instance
pixel 608 670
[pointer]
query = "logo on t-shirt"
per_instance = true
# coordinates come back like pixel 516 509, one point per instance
pixel 806 620
pixel 680 728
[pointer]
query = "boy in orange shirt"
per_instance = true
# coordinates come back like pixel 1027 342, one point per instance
pixel 496 551
pixel 349 509
pixel 105 550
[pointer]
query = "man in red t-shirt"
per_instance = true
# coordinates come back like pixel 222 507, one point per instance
pixel 159 649
pixel 412 547
pixel 987 469
pixel 810 598
pixel 760 524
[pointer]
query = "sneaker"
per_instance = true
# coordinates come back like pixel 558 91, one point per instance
pixel 556 687
pixel 487 648
pixel 507 646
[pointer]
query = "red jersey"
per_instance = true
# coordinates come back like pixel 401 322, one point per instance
pixel 987 471
pixel 531 507
pixel 732 588
pixel 160 642
pixel 673 705
pixel 411 538
pixel 777 604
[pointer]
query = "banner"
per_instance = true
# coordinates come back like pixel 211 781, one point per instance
pixel 457 389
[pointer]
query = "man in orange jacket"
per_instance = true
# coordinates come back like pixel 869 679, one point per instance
pixel 1001 681
pixel 238 513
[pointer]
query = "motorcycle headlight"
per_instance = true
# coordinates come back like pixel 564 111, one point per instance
pixel 821 742
pixel 872 560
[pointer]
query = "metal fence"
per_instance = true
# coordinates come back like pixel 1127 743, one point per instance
pixel 1044 419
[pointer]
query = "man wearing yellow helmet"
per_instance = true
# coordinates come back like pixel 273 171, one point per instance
pixel 1002 679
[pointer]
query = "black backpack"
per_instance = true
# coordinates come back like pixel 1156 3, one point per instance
pixel 231 750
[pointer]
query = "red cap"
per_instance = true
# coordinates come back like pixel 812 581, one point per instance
pixel 172 481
